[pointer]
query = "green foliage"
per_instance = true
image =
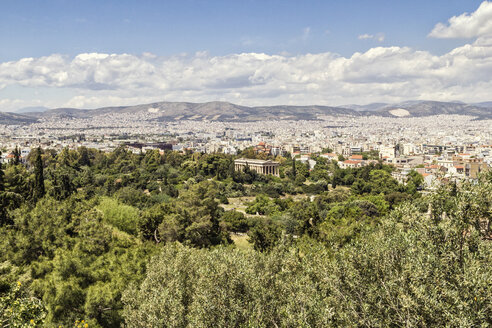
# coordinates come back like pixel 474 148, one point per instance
pixel 124 217
pixel 225 287
pixel 19 309
pixel 2 174
pixel 193 218
pixel 133 197
pixel 326 150
pixel 345 222
pixel 4 203
pixel 264 235
pixel 414 182
pixel 413 270
pixel 39 188
pixel 262 205
pixel 77 264
pixel 236 221
pixel 62 186
pixel 17 181
pixel 366 251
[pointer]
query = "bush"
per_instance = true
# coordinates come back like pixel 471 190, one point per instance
pixel 123 217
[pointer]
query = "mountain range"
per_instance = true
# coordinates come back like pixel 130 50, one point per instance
pixel 15 119
pixel 228 112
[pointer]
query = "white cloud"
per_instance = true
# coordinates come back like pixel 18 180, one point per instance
pixel 306 32
pixel 365 36
pixel 386 74
pixel 476 24
pixel 378 37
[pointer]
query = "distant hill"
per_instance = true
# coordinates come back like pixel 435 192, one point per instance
pixel 486 104
pixel 15 119
pixel 216 111
pixel 34 109
pixel 224 111
pixel 430 108
pixel 368 107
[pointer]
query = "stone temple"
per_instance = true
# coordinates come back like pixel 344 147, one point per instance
pixel 257 165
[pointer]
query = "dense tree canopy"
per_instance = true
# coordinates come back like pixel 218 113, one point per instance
pixel 172 239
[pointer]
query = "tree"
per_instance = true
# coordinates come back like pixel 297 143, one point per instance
pixel 262 205
pixel 84 159
pixel 14 190
pixel 327 150
pixel 62 184
pixel 236 221
pixel 193 218
pixel 264 235
pixel 39 188
pixel 2 175
pixel 414 182
pixel 226 287
pixel 17 156
pixel 294 170
pixel 3 197
pixel 17 309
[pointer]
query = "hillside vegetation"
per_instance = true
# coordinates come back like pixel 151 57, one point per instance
pixel 93 239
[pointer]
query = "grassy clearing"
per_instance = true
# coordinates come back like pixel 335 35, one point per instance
pixel 237 203
pixel 241 241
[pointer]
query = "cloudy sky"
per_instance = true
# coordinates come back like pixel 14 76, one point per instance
pixel 87 54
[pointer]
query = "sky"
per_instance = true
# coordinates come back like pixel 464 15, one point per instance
pixel 88 54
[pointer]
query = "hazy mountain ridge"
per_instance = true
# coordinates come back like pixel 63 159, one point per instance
pixel 224 111
pixel 32 109
pixel 430 108
pixel 15 119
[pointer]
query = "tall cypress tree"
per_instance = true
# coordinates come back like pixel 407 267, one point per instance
pixel 17 156
pixel 2 186
pixel 294 171
pixel 39 189
pixel 3 199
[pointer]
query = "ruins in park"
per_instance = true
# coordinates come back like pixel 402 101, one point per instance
pixel 257 165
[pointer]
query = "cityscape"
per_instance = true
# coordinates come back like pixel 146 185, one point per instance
pixel 220 164
pixel 440 147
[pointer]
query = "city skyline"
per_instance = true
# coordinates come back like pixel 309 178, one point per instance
pixel 60 54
